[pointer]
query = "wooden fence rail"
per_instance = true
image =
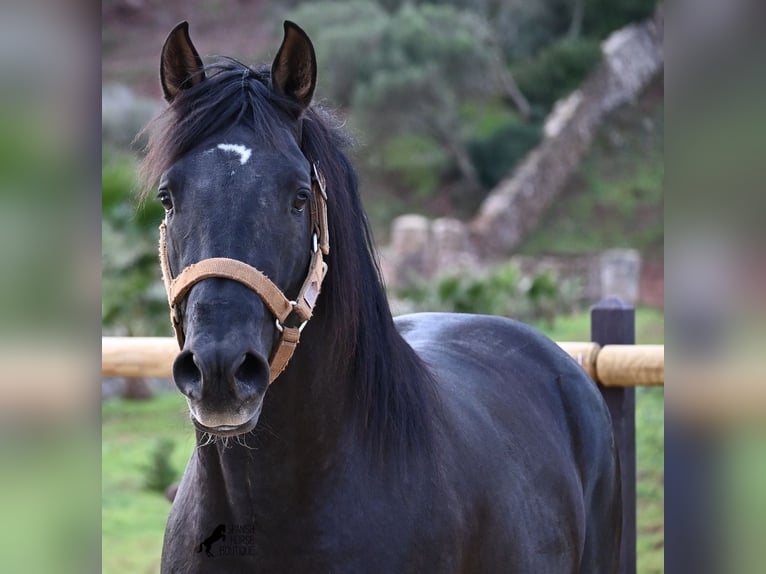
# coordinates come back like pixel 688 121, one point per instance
pixel 611 365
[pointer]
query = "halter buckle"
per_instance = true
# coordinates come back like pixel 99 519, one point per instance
pixel 281 327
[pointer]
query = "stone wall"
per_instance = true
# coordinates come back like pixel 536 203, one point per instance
pixel 422 249
pixel 632 57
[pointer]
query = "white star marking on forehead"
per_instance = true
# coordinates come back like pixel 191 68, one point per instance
pixel 243 152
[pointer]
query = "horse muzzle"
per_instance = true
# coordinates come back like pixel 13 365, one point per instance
pixel 224 383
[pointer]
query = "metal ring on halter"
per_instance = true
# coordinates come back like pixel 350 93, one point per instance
pixel 314 243
pixel 281 327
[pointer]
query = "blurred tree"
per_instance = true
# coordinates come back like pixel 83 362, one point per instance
pixel 349 36
pixel 556 71
pixel 133 297
pixel 499 141
pixel 404 69
pixel 524 27
pixel 408 72
pixel 520 27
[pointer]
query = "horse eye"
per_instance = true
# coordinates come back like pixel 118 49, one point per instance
pixel 300 200
pixel 165 199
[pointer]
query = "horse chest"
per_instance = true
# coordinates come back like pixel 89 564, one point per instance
pixel 351 528
pixel 234 547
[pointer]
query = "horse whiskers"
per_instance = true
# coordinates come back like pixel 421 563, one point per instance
pixel 207 439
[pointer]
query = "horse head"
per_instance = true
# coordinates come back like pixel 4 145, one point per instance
pixel 242 224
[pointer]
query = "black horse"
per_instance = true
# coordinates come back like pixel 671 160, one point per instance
pixel 430 443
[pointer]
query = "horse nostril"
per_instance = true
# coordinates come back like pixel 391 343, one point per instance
pixel 187 375
pixel 252 370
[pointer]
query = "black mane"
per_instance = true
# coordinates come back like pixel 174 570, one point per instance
pixel 390 393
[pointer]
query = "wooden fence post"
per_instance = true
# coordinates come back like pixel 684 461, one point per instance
pixel 613 322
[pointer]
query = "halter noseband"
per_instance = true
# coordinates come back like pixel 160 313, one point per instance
pixel 275 300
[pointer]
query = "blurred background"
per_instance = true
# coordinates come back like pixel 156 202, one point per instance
pixel 446 102
pixel 511 159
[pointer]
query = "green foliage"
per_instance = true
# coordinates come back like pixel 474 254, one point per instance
pixel 499 140
pixel 403 79
pixel 418 74
pixel 133 298
pixel 349 37
pixel 417 161
pixel 159 473
pixel 543 295
pixel 523 28
pixel 405 83
pixel 499 291
pixel 119 199
pixel 490 293
pixel 557 70
pixel 134 518
pixel 520 28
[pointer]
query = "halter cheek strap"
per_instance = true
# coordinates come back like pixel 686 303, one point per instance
pixel 275 300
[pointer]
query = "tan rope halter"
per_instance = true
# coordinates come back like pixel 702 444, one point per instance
pixel 275 300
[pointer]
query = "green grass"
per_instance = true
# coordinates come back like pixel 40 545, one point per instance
pixel 133 518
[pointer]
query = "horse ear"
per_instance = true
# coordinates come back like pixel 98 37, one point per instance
pixel 294 71
pixel 180 65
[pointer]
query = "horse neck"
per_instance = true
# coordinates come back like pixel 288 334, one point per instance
pixel 301 433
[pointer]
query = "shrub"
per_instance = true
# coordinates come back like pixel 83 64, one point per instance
pixel 543 296
pixel 557 70
pixel 499 291
pixel 133 299
pixel 498 142
pixel 401 75
pixel 159 473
